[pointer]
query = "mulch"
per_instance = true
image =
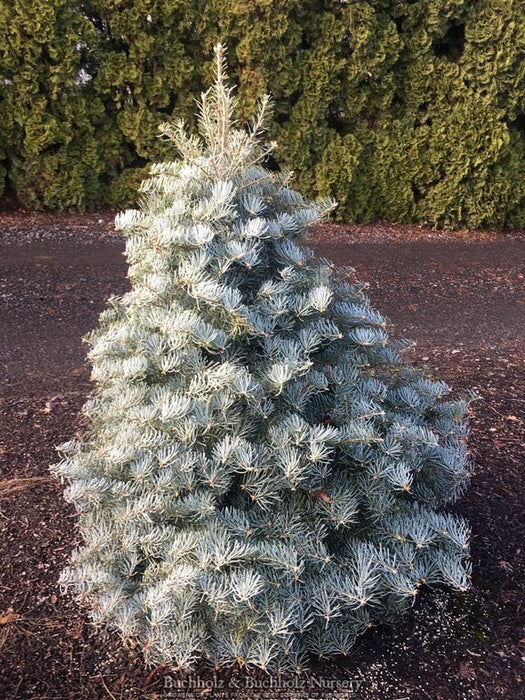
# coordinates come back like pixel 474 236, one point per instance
pixel 460 296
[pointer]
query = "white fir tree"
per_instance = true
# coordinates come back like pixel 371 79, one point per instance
pixel 262 478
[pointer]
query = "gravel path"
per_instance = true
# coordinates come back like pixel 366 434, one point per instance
pixel 452 295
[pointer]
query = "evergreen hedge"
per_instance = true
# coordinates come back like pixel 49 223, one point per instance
pixel 410 111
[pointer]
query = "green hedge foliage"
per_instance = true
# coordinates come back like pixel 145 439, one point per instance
pixel 411 111
pixel 49 122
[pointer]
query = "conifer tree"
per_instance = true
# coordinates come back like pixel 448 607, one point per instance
pixel 262 478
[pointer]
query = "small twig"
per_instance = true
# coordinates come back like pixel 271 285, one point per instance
pixel 105 686
pixel 151 674
pixel 11 486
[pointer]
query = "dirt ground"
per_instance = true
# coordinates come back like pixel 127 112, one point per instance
pixel 460 296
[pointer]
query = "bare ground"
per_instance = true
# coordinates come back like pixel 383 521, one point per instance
pixel 460 297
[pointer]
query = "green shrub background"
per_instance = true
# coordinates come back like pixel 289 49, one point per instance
pixel 410 111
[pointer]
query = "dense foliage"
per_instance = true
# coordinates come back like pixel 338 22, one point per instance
pixel 407 110
pixel 262 479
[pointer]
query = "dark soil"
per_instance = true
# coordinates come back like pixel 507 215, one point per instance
pixel 460 299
